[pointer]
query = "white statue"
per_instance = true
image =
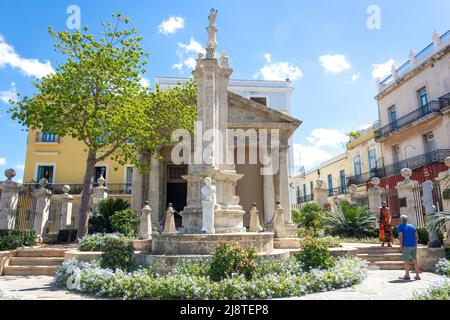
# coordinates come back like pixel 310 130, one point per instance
pixel 212 17
pixel 209 200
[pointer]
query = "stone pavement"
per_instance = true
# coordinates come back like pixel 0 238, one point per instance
pixel 379 285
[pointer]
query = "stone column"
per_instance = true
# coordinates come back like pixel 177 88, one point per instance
pixel 374 195
pixel 269 199
pixel 65 209
pixel 42 209
pixel 100 193
pixel 427 199
pixel 145 226
pixel 284 186
pixel 405 191
pixel 320 194
pixel 8 201
pixel 154 189
pixel 444 180
pixel 279 226
pixel 136 191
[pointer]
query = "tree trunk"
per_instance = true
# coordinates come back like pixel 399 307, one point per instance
pixel 83 212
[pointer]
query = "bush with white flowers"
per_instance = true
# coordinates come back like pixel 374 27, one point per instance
pixel 190 280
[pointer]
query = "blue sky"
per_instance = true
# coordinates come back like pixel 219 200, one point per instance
pixel 325 46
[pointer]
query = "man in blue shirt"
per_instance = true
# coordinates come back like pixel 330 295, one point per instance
pixel 408 236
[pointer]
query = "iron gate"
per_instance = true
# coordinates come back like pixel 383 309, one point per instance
pixel 25 209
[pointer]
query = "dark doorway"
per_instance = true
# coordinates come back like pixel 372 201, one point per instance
pixel 176 190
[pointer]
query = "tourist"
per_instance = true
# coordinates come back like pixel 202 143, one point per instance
pixel 408 236
pixel 385 231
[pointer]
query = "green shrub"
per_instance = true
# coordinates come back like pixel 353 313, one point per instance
pixel 99 221
pixel 13 239
pixel 125 222
pixel 314 255
pixel 117 255
pixel 424 237
pixel 447 253
pixel 438 291
pixel 443 267
pixel 98 241
pixel 350 221
pixel 67 236
pixel 310 217
pixel 232 259
pixel 330 242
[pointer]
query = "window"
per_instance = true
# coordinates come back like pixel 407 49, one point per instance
pixel 304 192
pixel 128 180
pixel 48 138
pixel 100 171
pixel 311 188
pixel 429 142
pixel 392 112
pixel 343 182
pixel 395 153
pixel 330 185
pixel 422 96
pixel 372 154
pixel 45 171
pixel 357 165
pixel 261 100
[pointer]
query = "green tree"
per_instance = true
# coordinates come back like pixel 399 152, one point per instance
pixel 310 217
pixel 95 96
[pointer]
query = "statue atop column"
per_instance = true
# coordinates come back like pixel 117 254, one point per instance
pixel 211 46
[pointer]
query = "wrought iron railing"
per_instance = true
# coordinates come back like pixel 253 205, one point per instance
pixel 432 106
pixel 395 168
pixel 304 199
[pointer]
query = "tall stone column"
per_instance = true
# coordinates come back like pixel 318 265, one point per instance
pixel 8 201
pixel 42 210
pixel 284 186
pixel 136 191
pixel 154 189
pixel 374 195
pixel 100 193
pixel 269 199
pixel 64 210
pixel 427 199
pixel 405 190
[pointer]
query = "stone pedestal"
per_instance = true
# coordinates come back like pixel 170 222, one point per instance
pixel 169 224
pixel 427 198
pixel 254 219
pixel 8 201
pixel 145 225
pixel 99 193
pixel 42 209
pixel 279 227
pixel 405 191
pixel 64 210
pixel 321 194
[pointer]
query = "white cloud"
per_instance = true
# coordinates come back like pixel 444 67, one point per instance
pixel 356 76
pixel 334 63
pixel 171 25
pixel 192 47
pixel 144 82
pixel 20 166
pixel 381 71
pixel 365 126
pixel 2 161
pixel 327 138
pixel 30 67
pixel 19 180
pixel 10 94
pixel 278 71
pixel 309 156
pixel 187 55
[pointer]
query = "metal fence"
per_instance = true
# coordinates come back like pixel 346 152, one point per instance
pixel 25 209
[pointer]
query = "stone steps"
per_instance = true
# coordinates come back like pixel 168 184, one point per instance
pixel 380 256
pixel 389 265
pixel 34 262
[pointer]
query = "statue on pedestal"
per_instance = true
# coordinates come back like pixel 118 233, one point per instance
pixel 209 201
pixel 169 224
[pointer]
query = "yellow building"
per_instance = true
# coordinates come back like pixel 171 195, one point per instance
pixel 357 165
pixel 62 160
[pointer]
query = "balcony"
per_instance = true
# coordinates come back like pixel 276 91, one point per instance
pixel 422 112
pixel 77 188
pixel 42 137
pixel 395 168
pixel 304 199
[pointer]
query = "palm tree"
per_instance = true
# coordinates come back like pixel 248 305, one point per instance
pixel 437 221
pixel 349 220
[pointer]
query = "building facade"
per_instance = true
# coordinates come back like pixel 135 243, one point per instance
pixel 414 107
